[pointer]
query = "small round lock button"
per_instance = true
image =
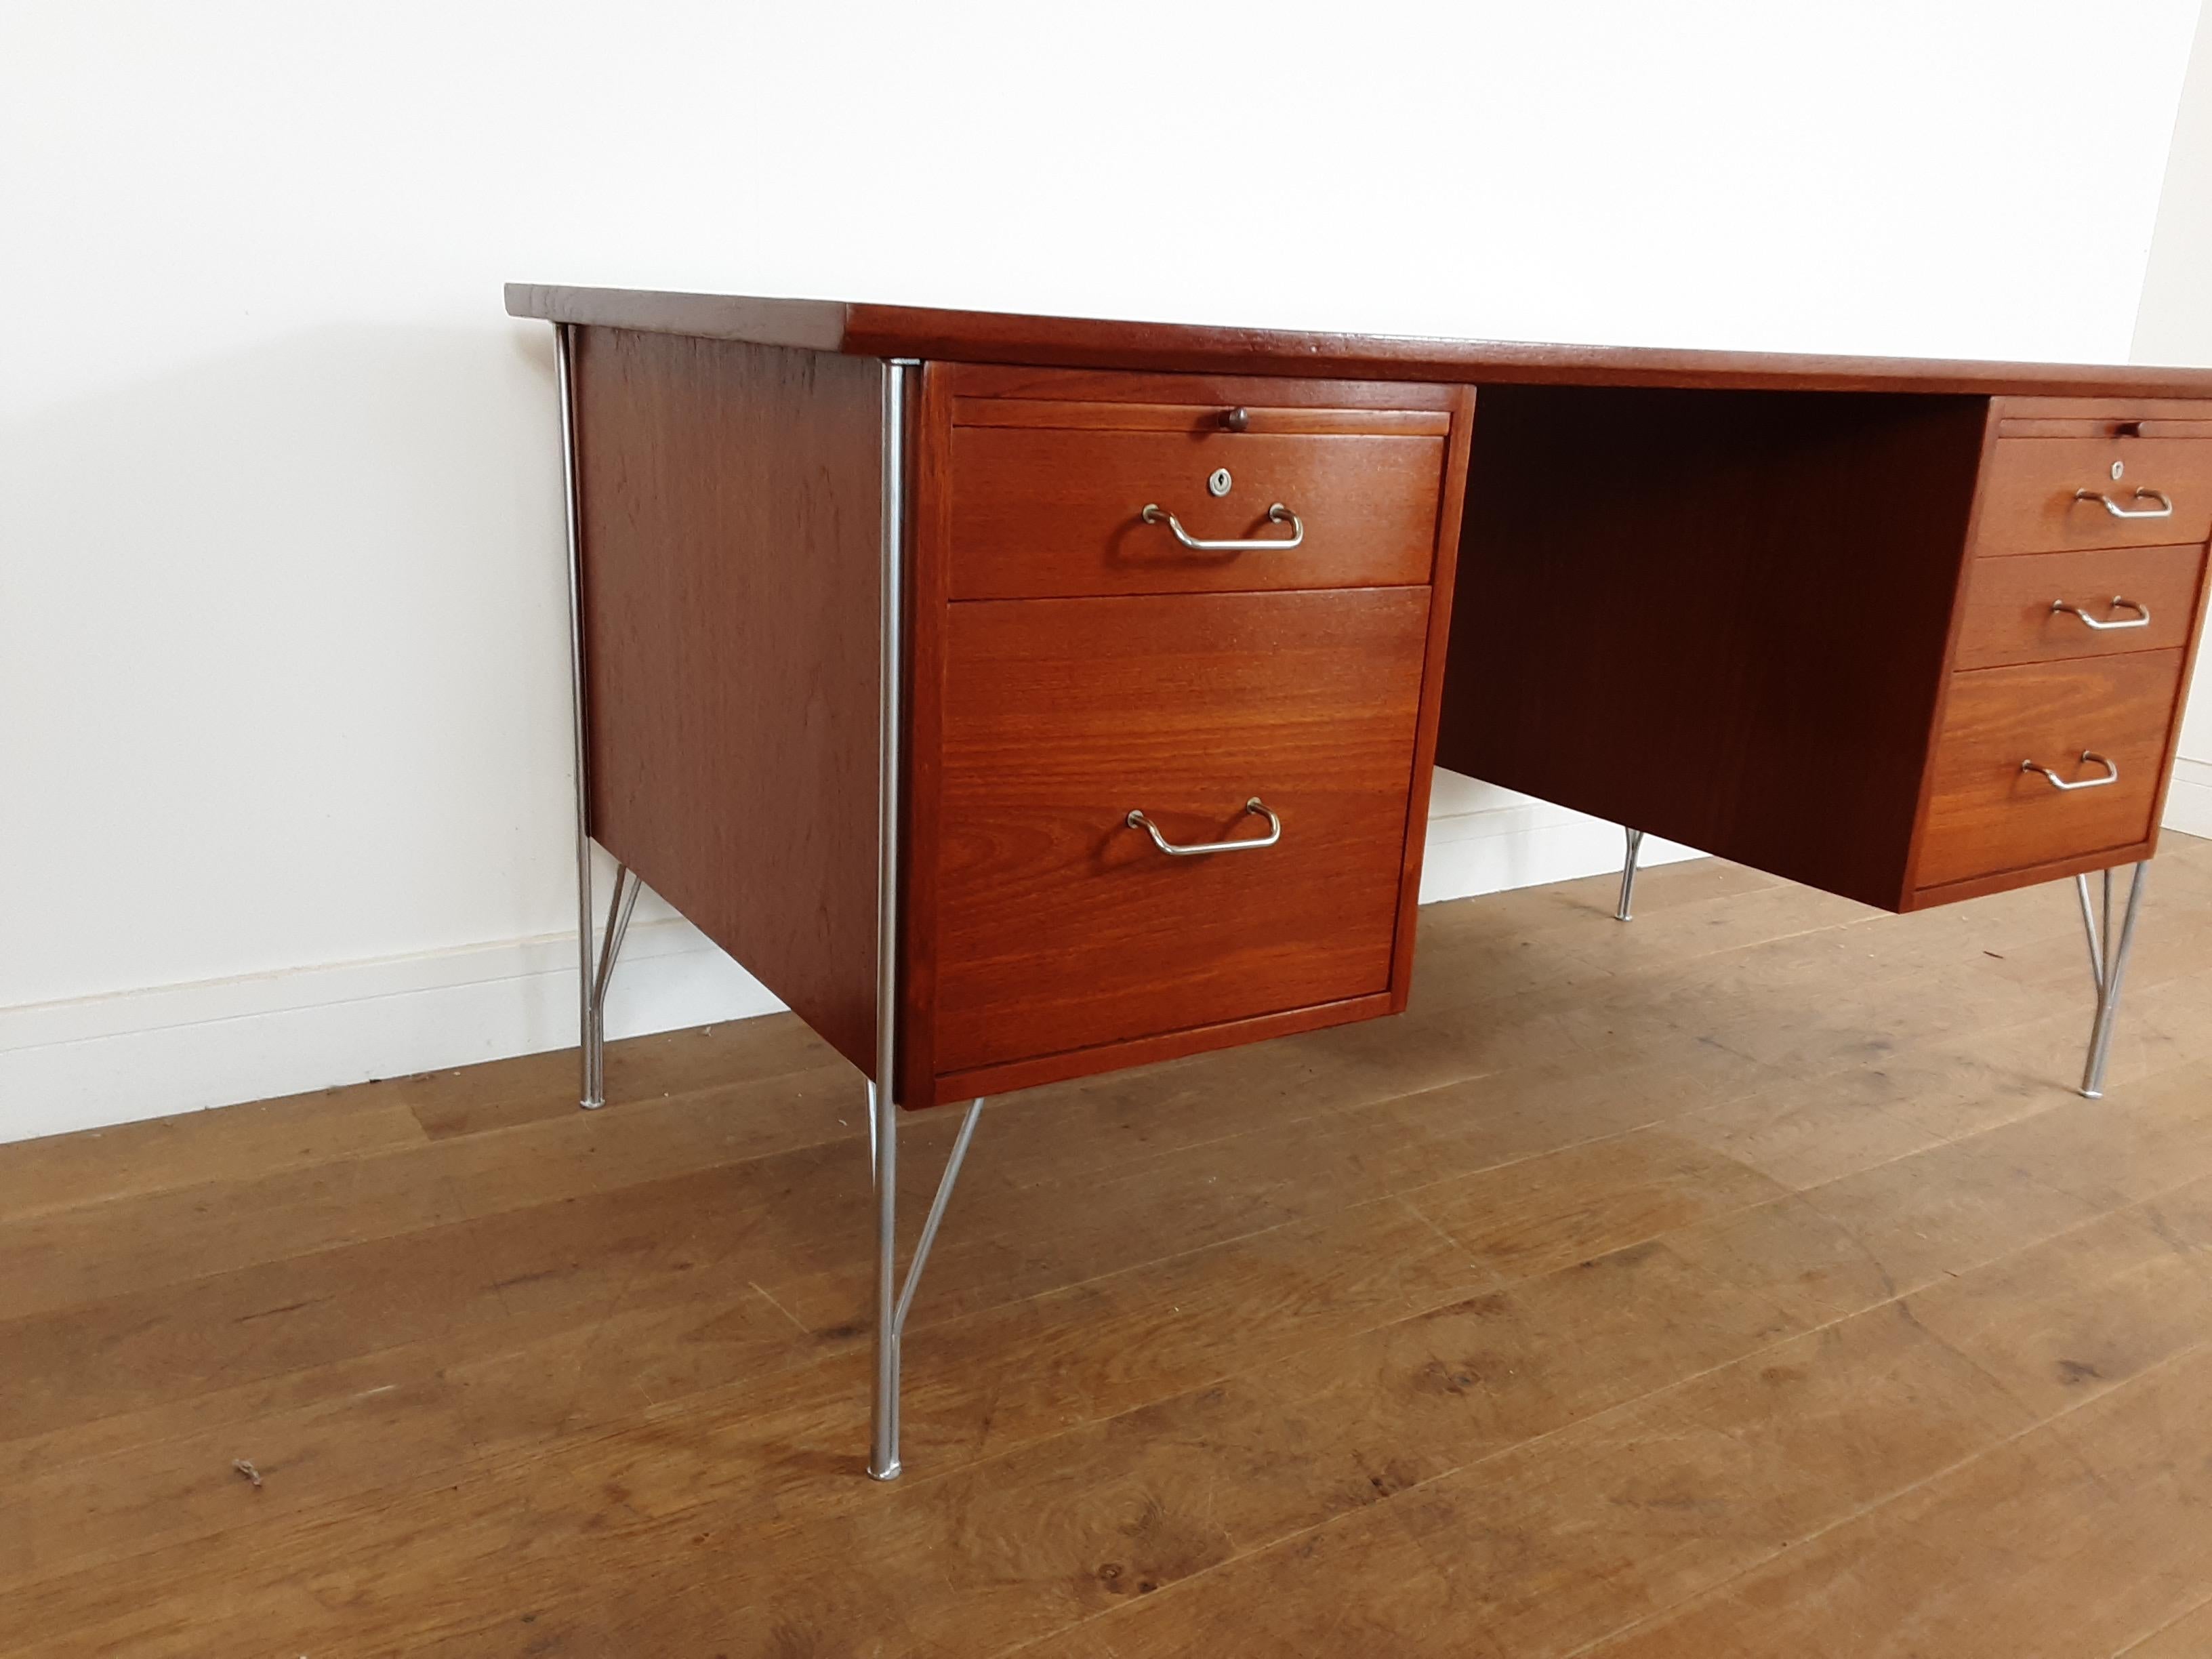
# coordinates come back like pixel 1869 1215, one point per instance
pixel 1219 483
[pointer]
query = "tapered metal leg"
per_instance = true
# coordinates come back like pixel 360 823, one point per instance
pixel 2108 965
pixel 590 1091
pixel 1623 911
pixel 883 1101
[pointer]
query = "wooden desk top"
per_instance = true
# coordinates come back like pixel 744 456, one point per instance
pixel 985 336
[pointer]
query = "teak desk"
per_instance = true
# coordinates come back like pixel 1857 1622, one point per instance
pixel 1021 697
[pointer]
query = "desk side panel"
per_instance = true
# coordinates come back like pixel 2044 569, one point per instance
pixel 1717 616
pixel 731 501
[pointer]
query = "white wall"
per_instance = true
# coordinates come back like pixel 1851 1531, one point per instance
pixel 281 632
pixel 2175 327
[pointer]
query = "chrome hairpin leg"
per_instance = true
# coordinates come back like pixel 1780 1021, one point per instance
pixel 1622 912
pixel 883 1457
pixel 883 1099
pixel 2108 967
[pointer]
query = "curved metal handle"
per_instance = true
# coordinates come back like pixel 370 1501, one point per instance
pixel 2142 618
pixel 1155 513
pixel 1137 820
pixel 2163 510
pixel 2111 773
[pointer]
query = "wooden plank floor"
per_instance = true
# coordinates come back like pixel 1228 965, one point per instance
pixel 1746 1280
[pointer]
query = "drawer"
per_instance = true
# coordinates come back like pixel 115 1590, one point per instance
pixel 1048 498
pixel 1061 925
pixel 1986 815
pixel 2009 615
pixel 2030 503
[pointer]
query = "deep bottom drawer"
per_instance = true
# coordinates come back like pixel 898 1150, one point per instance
pixel 1063 927
pixel 1987 815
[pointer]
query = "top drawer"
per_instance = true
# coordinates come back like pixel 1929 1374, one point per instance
pixel 1081 497
pixel 2050 494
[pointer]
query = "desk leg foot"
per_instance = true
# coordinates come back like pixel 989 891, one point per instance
pixel 1624 911
pixel 2108 967
pixel 894 1299
pixel 620 903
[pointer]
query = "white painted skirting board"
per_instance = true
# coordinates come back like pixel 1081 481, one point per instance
pixel 115 1059
pixel 1483 839
pixel 106 1060
pixel 2188 802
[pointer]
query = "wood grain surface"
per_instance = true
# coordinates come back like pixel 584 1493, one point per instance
pixel 973 337
pixel 2008 602
pixel 1723 617
pixel 2030 503
pixel 731 504
pixel 1183 688
pixel 2108 417
pixel 1985 815
pixel 1043 512
pixel 1436 659
pixel 1745 1281
pixel 1059 925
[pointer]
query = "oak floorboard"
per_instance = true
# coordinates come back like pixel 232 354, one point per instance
pixel 99 1167
pixel 538 1087
pixel 193 1232
pixel 1554 1543
pixel 2083 1312
pixel 2189 1637
pixel 1622 1515
pixel 1550 1350
pixel 2082 1535
pixel 1596 1294
pixel 402 1424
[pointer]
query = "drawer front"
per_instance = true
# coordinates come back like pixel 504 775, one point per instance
pixel 1061 926
pixel 1042 510
pixel 2010 619
pixel 1986 815
pixel 2030 500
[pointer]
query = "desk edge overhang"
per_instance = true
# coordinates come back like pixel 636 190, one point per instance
pixel 978 336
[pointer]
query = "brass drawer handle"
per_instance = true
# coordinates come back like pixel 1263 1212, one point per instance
pixel 2140 619
pixel 2163 510
pixel 2111 773
pixel 1155 513
pixel 1137 820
